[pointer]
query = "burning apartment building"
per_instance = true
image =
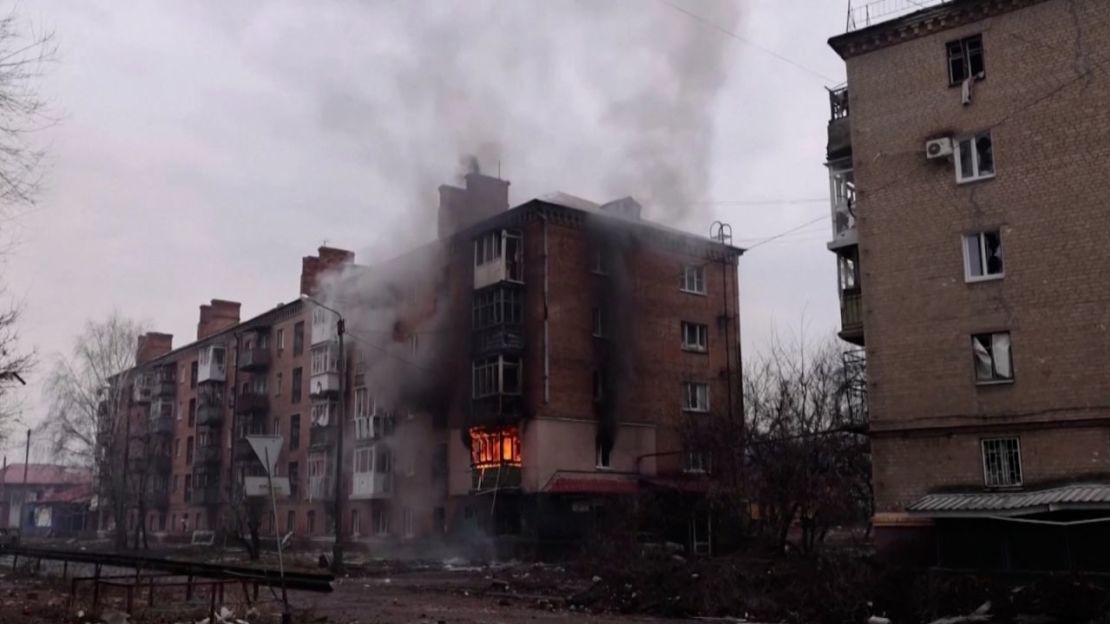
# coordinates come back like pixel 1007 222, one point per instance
pixel 967 164
pixel 515 377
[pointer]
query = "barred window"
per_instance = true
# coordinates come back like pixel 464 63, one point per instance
pixel 1002 462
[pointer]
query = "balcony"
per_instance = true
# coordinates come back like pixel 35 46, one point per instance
pixel 499 338
pixel 252 402
pixel 320 489
pixel 140 389
pixel 371 486
pixel 325 326
pixel 160 425
pixel 165 388
pixel 209 495
pixel 496 410
pixel 498 257
pixel 322 437
pixel 840 130
pixel 254 359
pixel 493 478
pixel 212 364
pixel 851 316
pixel 210 415
pixel 842 191
pixel 210 454
pixel 324 385
pixel 241 451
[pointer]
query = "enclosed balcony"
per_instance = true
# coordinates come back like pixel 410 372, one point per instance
pixel 320 489
pixel 851 317
pixel 498 257
pixel 325 370
pixel 165 384
pixel 842 192
pixel 252 402
pixel 242 451
pixel 210 454
pixel 207 495
pixel 839 145
pixel 325 325
pixel 373 473
pixel 161 425
pixel 322 437
pixel 212 364
pixel 210 414
pixel 495 458
pixel 141 388
pixel 254 359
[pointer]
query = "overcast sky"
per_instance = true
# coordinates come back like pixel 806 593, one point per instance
pixel 204 147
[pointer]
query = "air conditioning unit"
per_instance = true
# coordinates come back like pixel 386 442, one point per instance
pixel 938 148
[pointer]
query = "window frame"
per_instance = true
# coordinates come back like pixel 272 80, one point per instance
pixel 983 257
pixel 701 331
pixel 600 322
pixel 696 408
pixel 976 174
pixel 701 466
pixel 965 59
pixel 603 459
pixel 983 442
pixel 698 272
pixel 996 378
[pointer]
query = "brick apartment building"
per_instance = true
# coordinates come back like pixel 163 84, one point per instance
pixel 968 165
pixel 514 377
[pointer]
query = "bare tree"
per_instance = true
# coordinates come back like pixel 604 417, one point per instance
pixel 807 456
pixel 91 396
pixel 24 54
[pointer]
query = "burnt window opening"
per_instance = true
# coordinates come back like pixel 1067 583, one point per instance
pixel 965 60
pixel 993 358
pixel 496 306
pixel 695 397
pixel 983 255
pixel 601 325
pixel 974 158
pixel 1002 462
pixel 294 432
pixel 695 337
pixel 693 280
pixel 847 267
pixel 599 260
pixel 604 457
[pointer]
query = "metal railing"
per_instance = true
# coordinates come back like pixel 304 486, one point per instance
pixel 864 14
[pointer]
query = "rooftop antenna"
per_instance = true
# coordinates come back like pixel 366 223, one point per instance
pixel 721 232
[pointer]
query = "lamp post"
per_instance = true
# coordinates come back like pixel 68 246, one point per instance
pixel 337 549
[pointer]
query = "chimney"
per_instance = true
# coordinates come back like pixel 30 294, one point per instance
pixel 460 208
pixel 152 345
pixel 217 316
pixel 624 207
pixel 327 259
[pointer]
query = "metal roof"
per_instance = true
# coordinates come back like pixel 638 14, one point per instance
pixel 1014 503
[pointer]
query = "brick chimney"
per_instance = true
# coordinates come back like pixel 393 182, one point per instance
pixel 152 345
pixel 314 267
pixel 217 316
pixel 460 208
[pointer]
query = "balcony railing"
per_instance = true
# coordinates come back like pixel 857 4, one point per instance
pixel 371 485
pixel 324 384
pixel 498 338
pixel 210 415
pixel 496 410
pixel 165 388
pixel 851 316
pixel 209 495
pixel 254 359
pixel 495 478
pixel 864 14
pixel 320 489
pixel 252 403
pixel 321 437
pixel 208 454
pixel 161 424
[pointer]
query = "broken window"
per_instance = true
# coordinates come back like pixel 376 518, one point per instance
pixel 983 255
pixel 992 357
pixel 1001 462
pixel 848 270
pixel 487 248
pixel 695 397
pixel 603 456
pixel 599 323
pixel 974 158
pixel 693 279
pixel 965 60
pixel 490 448
pixel 322 413
pixel 695 337
pixel 514 257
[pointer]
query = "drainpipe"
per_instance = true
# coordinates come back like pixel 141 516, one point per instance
pixel 546 322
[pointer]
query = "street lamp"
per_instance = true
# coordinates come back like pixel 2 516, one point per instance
pixel 337 549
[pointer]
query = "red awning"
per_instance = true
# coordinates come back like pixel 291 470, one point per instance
pixel 592 485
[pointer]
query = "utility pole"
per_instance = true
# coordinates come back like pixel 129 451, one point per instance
pixel 26 459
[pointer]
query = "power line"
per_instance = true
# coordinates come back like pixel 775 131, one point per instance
pixel 781 234
pixel 748 42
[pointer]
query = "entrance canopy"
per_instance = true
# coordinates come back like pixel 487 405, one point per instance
pixel 1075 497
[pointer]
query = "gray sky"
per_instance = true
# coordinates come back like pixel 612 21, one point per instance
pixel 204 147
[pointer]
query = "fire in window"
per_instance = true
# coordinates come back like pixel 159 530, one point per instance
pixel 494 447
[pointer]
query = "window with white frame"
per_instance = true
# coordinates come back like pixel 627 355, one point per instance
pixel 974 158
pixel 695 337
pixel 993 359
pixel 693 279
pixel 487 248
pixel 983 255
pixel 965 59
pixel 695 397
pixel 381 522
pixel 600 329
pixel 325 359
pixel 1001 462
pixel 603 456
pixel 495 306
pixel 697 461
pixel 364 460
pixel 848 269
